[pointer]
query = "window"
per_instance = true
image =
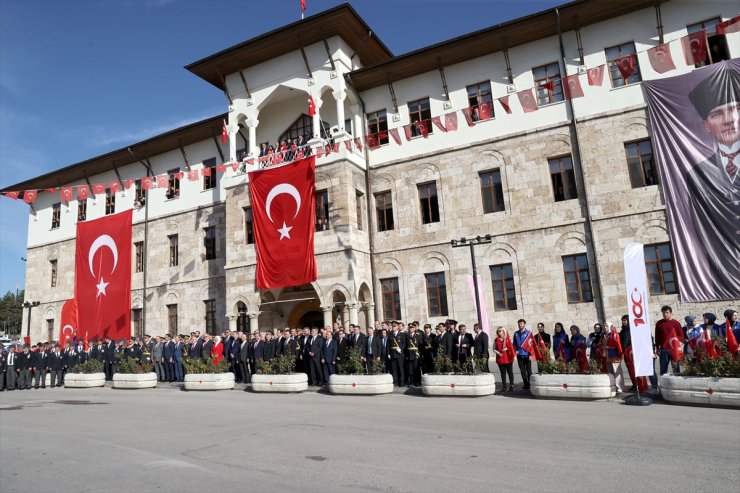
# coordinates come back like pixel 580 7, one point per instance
pixel 391 298
pixel 248 226
pixel 303 126
pixel 49 329
pixel 641 163
pixel 717 49
pixel 615 53
pixel 241 154
pixel 209 181
pixel 377 123
pixel 429 203
pixel 174 250
pixel 173 188
pixel 358 208
pixel 136 322
pixel 110 202
pixel 81 210
pixel 53 273
pixel 436 294
pixel 242 319
pixel 419 112
pixel 56 215
pixel 384 210
pixel 139 248
pixel 660 269
pixel 563 178
pixel 477 94
pixel 209 241
pixel 492 191
pixel 140 196
pixel 172 319
pixel 322 210
pixel 210 316
pixel 504 295
pixel 577 278
pixel 548 84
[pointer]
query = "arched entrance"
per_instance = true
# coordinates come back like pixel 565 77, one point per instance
pixel 306 314
pixel 242 320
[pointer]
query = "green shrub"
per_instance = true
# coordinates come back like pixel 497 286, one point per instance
pixel 471 366
pixel 204 365
pixel 89 366
pixel 548 366
pixel 131 365
pixel 724 366
pixel 352 365
pixel 281 365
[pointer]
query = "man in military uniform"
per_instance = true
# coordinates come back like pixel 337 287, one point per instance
pixel 414 343
pixel 397 345
pixel 23 368
pixel 55 366
pixel 428 349
pixel 146 349
pixel 38 364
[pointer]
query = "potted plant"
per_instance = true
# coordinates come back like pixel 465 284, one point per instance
pixel 203 374
pixel 705 381
pixel 469 379
pixel 560 379
pixel 131 374
pixel 352 379
pixel 85 375
pixel 278 375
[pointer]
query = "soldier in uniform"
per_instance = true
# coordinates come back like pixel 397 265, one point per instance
pixel 397 350
pixel 55 366
pixel 23 368
pixel 39 363
pixel 414 343
pixel 146 349
pixel 70 359
pixel 428 349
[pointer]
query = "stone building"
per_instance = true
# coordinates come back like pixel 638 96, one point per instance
pixel 560 191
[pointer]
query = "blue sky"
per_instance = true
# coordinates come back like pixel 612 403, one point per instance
pixel 81 78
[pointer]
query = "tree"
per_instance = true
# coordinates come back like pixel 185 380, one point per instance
pixel 11 312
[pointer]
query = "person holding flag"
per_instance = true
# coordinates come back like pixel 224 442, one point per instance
pixel 613 351
pixel 578 348
pixel 732 331
pixel 560 343
pixel 524 348
pixel 504 351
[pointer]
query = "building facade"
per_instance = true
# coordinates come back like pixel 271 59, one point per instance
pixel 560 191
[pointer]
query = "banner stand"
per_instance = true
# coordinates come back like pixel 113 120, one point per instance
pixel 638 400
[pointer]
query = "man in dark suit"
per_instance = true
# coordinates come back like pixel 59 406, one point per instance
pixel 290 345
pixel 196 345
pixel 244 358
pixel 81 353
pixel 3 367
pixel 70 359
pixel 343 344
pixel 234 351
pixel 371 350
pixel 462 346
pixel 397 351
pixel 414 343
pixel 428 349
pixel 257 347
pixel 55 366
pixel 329 356
pixel 177 349
pixel 38 365
pixel 314 358
pixel 481 344
pixel 168 355
pixel 714 186
pixel 228 339
pixel 23 368
pixel 205 351
pixel 445 342
pixel 271 347
pixel 109 358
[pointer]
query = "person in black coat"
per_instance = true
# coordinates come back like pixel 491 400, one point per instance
pixel 343 345
pixel 168 355
pixel 70 360
pixel 38 364
pixel 444 340
pixel 196 345
pixel 234 351
pixel 271 347
pixel 23 368
pixel 542 337
pixel 372 349
pixel 397 351
pixel 109 358
pixel 428 349
pixel 414 345
pixel 480 347
pixel 3 367
pixel 55 366
pixel 329 356
pixel 244 359
pixel 462 346
pixel 207 347
pixel 256 352
pixel 314 358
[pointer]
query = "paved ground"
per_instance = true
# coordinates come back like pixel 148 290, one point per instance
pixel 168 440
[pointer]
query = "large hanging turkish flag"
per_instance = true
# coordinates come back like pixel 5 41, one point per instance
pixel 68 329
pixel 283 204
pixel 103 276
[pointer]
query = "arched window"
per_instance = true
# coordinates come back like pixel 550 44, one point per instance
pixel 304 125
pixel 242 320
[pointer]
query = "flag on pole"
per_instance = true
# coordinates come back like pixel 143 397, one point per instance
pixel 224 133
pixel 311 106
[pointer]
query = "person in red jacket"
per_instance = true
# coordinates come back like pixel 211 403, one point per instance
pixel 217 351
pixel 504 351
pixel 666 329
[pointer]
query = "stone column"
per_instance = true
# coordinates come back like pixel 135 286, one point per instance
pixel 345 317
pixel 327 310
pixel 233 133
pixel 232 322
pixel 254 322
pixel 252 126
pixel 339 97
pixel 356 110
pixel 353 315
pixel 370 307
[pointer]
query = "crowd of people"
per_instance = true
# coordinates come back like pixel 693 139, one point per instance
pixel 404 351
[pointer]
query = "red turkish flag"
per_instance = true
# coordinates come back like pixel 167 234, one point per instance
pixel 99 189
pixel 695 48
pixel 103 276
pixel 396 136
pixel 531 347
pixel 179 175
pixel 732 345
pixel 29 196
pixel 549 85
pixel 595 75
pixel 311 106
pixel 221 168
pixel 437 121
pixel 467 113
pixel 485 110
pixel 675 346
pixel 407 131
pixel 129 183
pixel 284 211
pixel 504 100
pixel 234 167
pixel 660 58
pixel 66 194
pixel 163 181
pixel 83 192
pixel 348 144
pixel 303 5
pixel 572 87
pixel 358 142
pixel 12 195
pixel 371 141
pixel 147 183
pixel 579 354
pixel 451 121
pixel 51 190
pixel 422 128
pixel 626 66
pixel 114 187
pixel 527 100
pixel 224 133
pixel 193 175
pixel 729 26
pixel 207 171
pixel 68 329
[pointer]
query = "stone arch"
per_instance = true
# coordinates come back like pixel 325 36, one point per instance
pixel 393 263
pixel 570 242
pixel 236 300
pixel 564 148
pixel 283 88
pixel 137 302
pixel 652 231
pixel 637 123
pixel 301 310
pixel 434 260
pixel 338 289
pixel 489 158
pixel 322 180
pixel 50 312
pixel 426 172
pixel 492 249
pixel 364 293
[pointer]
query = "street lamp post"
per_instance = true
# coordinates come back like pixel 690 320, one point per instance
pixel 471 243
pixel 29 305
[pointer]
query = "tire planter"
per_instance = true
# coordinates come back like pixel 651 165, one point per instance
pixel 134 380
pixel 573 386
pixel 84 380
pixel 361 384
pixel 458 385
pixel 703 391
pixel 290 382
pixel 209 381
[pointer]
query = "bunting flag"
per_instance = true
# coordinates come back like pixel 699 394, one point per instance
pixel 29 196
pixel 99 189
pixel 207 171
pixel 147 183
pixel 83 192
pixel 595 75
pixel 66 194
pixel 221 168
pixel 572 87
pixel 50 190
pixel 407 131
pixel 451 121
pixel 193 175
pixel 393 132
pixel 336 147
pixel 320 150
pixel 348 144
pixel 527 100
pixel 163 181
pixel 358 142
pixel 180 175
pixel 12 195
pixel 114 187
pixel 437 121
pixel 383 135
pixel 224 133
pixel 467 113
pixel 504 101
pixel 130 183
pixel 695 48
pixel 626 66
pixel 660 58
pixel 729 26
pixel 549 85
pixel 485 110
pixel 303 5
pixel 234 167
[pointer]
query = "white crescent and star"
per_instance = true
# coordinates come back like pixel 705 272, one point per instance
pixel 100 242
pixel 279 189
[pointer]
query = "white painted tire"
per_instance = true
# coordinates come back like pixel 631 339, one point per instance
pixel 84 380
pixel 134 380
pixel 573 386
pixel 361 384
pixel 209 381
pixel 458 385
pixel 290 382
pixel 704 391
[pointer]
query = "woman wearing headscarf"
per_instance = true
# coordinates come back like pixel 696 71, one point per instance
pixel 578 348
pixel 613 352
pixel 504 351
pixel 732 330
pixel 560 343
pixel 693 331
pixel 217 351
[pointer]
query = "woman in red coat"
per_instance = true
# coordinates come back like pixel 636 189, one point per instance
pixel 217 351
pixel 504 350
